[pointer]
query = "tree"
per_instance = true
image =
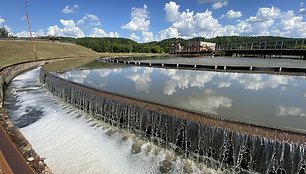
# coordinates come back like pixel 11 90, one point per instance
pixel 156 49
pixel 3 32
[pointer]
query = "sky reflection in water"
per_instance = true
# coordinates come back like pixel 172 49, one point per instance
pixel 268 100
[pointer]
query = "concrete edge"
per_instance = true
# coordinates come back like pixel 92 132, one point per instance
pixel 21 143
pixel 244 128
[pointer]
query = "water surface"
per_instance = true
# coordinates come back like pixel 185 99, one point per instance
pixel 269 100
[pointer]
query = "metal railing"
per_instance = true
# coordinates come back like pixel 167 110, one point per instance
pixel 299 44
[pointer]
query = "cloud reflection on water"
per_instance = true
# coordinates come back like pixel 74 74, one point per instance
pixel 141 78
pixel 91 77
pixel 205 101
pixel 256 97
pixel 284 111
pixel 259 82
pixel 185 79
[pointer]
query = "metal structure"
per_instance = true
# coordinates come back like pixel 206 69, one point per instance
pixel 270 49
pixel 285 47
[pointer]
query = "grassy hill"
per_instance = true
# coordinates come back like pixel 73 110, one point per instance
pixel 15 51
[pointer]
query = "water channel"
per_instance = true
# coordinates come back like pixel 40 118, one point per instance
pixel 73 141
pixel 263 99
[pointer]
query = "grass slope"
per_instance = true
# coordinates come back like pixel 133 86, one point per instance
pixel 16 51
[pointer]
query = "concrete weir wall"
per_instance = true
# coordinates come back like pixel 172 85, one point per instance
pixel 218 143
pixel 8 73
pixel 221 68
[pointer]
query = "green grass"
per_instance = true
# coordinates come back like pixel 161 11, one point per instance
pixel 16 51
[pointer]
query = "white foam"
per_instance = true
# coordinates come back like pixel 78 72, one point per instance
pixel 70 145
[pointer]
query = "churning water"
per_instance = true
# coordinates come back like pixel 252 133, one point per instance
pixel 73 142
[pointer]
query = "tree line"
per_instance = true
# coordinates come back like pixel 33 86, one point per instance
pixel 124 45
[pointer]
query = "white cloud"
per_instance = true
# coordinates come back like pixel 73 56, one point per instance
pixel 264 19
pixel 55 31
pixel 69 10
pixel 231 14
pixel 134 37
pixel 24 33
pixel 69 30
pixel 92 19
pixel 261 24
pixel 267 21
pixel 168 33
pixel 80 22
pixel 219 5
pixel 68 23
pixel 206 22
pixel 290 26
pixel 187 24
pixel 265 14
pixel 302 11
pixel 2 20
pixel 172 11
pixel 284 111
pixel 147 36
pixel 99 32
pixel 139 20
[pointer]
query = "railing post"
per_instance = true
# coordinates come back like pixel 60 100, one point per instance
pixel 265 45
pixel 302 47
pixel 259 46
pixel 282 44
pixel 275 45
pixel 251 45
pixel 296 42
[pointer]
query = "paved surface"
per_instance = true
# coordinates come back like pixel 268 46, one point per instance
pixel 12 158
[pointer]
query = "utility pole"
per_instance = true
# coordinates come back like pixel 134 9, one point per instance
pixel 29 26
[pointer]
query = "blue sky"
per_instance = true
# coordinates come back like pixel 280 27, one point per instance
pixel 147 20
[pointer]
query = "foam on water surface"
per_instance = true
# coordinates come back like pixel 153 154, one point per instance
pixel 72 142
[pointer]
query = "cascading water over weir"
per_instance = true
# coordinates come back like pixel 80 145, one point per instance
pixel 218 143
